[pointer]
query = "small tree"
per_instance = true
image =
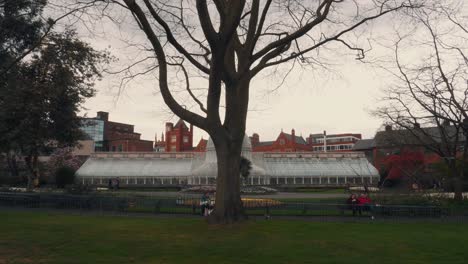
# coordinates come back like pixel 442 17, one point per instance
pixel 64 176
pixel 245 168
pixel 62 165
pixel 39 105
pixel 406 168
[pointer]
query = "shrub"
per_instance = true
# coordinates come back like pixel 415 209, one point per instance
pixel 64 176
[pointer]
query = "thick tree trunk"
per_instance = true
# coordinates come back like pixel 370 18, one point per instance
pixel 228 206
pixel 455 179
pixel 458 188
pixel 33 166
pixel 458 182
pixel 12 165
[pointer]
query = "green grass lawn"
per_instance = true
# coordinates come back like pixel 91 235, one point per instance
pixel 33 237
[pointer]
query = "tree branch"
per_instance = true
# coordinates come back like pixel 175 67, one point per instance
pixel 175 107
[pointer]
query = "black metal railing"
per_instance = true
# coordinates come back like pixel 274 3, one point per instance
pixel 253 207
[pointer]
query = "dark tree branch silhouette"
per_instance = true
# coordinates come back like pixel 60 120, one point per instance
pixel 231 42
pixel 433 92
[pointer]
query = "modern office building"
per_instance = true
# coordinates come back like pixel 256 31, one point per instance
pixel 114 136
pixel 335 142
pixel 94 129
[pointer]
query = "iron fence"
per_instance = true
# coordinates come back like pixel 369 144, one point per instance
pixel 253 207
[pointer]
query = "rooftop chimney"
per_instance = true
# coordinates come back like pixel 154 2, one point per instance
pixel 103 115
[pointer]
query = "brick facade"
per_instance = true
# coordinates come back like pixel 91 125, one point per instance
pixel 179 137
pixel 201 146
pixel 390 143
pixel 120 137
pixel 283 143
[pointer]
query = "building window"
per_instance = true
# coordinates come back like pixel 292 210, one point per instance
pixel 173 148
pixel 185 139
pixel 173 138
pixel 281 141
pixel 113 148
pixel 120 148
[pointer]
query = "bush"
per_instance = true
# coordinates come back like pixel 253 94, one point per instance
pixel 64 176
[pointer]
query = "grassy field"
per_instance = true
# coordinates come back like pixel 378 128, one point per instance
pixel 33 237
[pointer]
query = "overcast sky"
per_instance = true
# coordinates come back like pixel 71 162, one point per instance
pixel 309 101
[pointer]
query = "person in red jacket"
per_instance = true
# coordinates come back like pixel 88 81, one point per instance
pixel 364 203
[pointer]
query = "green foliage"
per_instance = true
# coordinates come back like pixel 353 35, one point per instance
pixel 245 167
pixel 41 95
pixel 64 176
pixel 41 98
pixel 441 172
pixel 40 106
pixel 21 27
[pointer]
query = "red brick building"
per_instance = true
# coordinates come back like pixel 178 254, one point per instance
pixel 120 137
pixel 201 147
pixel 283 143
pixel 159 145
pixel 179 137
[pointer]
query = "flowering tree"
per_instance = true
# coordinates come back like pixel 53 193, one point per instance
pixel 407 166
pixel 63 165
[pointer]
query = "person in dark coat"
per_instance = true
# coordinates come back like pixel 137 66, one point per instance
pixel 353 203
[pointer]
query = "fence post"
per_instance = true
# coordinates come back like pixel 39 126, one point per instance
pixel 157 207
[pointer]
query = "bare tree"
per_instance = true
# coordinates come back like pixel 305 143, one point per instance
pixel 231 42
pixel 431 88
